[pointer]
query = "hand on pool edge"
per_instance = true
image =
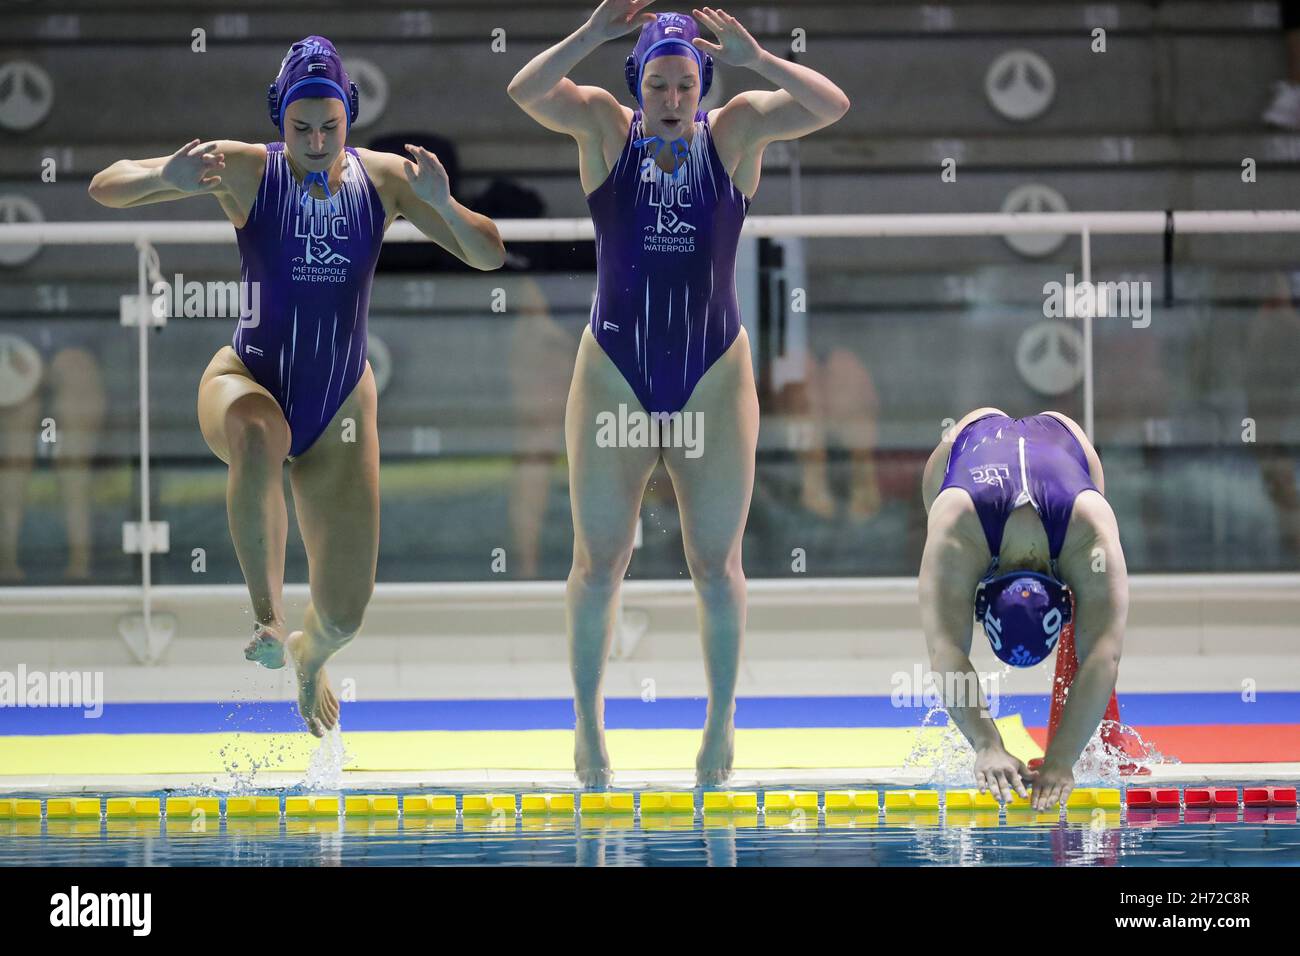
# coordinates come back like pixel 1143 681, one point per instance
pixel 1053 784
pixel 1000 773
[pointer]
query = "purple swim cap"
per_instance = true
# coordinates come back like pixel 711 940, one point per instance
pixel 311 68
pixel 1023 614
pixel 670 35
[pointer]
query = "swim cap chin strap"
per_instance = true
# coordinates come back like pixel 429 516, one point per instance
pixel 681 150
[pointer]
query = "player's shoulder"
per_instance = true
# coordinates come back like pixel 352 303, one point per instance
pixel 245 164
pixel 386 172
pixel 379 164
pixel 604 115
pixel 605 127
pixel 732 125
pixel 740 112
pixel 247 155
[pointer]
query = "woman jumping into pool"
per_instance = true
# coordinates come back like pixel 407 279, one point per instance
pixel 309 214
pixel 668 186
pixel 1021 537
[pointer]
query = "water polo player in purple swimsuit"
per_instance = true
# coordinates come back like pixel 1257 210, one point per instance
pixel 1020 537
pixel 668 186
pixel 309 215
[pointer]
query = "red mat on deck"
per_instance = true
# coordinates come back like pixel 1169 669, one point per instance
pixel 1217 743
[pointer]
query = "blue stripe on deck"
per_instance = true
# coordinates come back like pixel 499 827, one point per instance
pixel 620 713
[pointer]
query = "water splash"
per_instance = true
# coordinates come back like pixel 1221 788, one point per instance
pixel 948 755
pixel 1101 762
pixel 950 759
pixel 325 769
pixel 244 760
pixel 253 747
pixel 244 765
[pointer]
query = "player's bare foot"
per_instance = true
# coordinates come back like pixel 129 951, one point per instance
pixel 316 702
pixel 717 752
pixel 267 646
pixel 590 758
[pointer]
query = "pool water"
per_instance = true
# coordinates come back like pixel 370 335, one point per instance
pixel 1129 838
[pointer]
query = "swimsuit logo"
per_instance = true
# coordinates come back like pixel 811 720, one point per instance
pixel 252 349
pixel 668 221
pixel 669 232
pixel 990 475
pixel 608 326
pixel 318 250
pixel 667 195
pixel 319 261
pixel 321 227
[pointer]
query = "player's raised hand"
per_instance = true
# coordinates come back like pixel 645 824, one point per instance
pixel 195 167
pixel 735 45
pixel 427 176
pixel 614 18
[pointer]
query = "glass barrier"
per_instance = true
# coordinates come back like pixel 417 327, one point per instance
pixel 864 350
pixel 69 444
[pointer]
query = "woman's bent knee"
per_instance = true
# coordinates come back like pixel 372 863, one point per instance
pixel 255 429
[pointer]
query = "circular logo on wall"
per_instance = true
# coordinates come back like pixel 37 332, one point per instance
pixel 26 94
pixel 1020 85
pixel 1035 197
pixel 20 370
pixel 372 89
pixel 1049 357
pixel 18 209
